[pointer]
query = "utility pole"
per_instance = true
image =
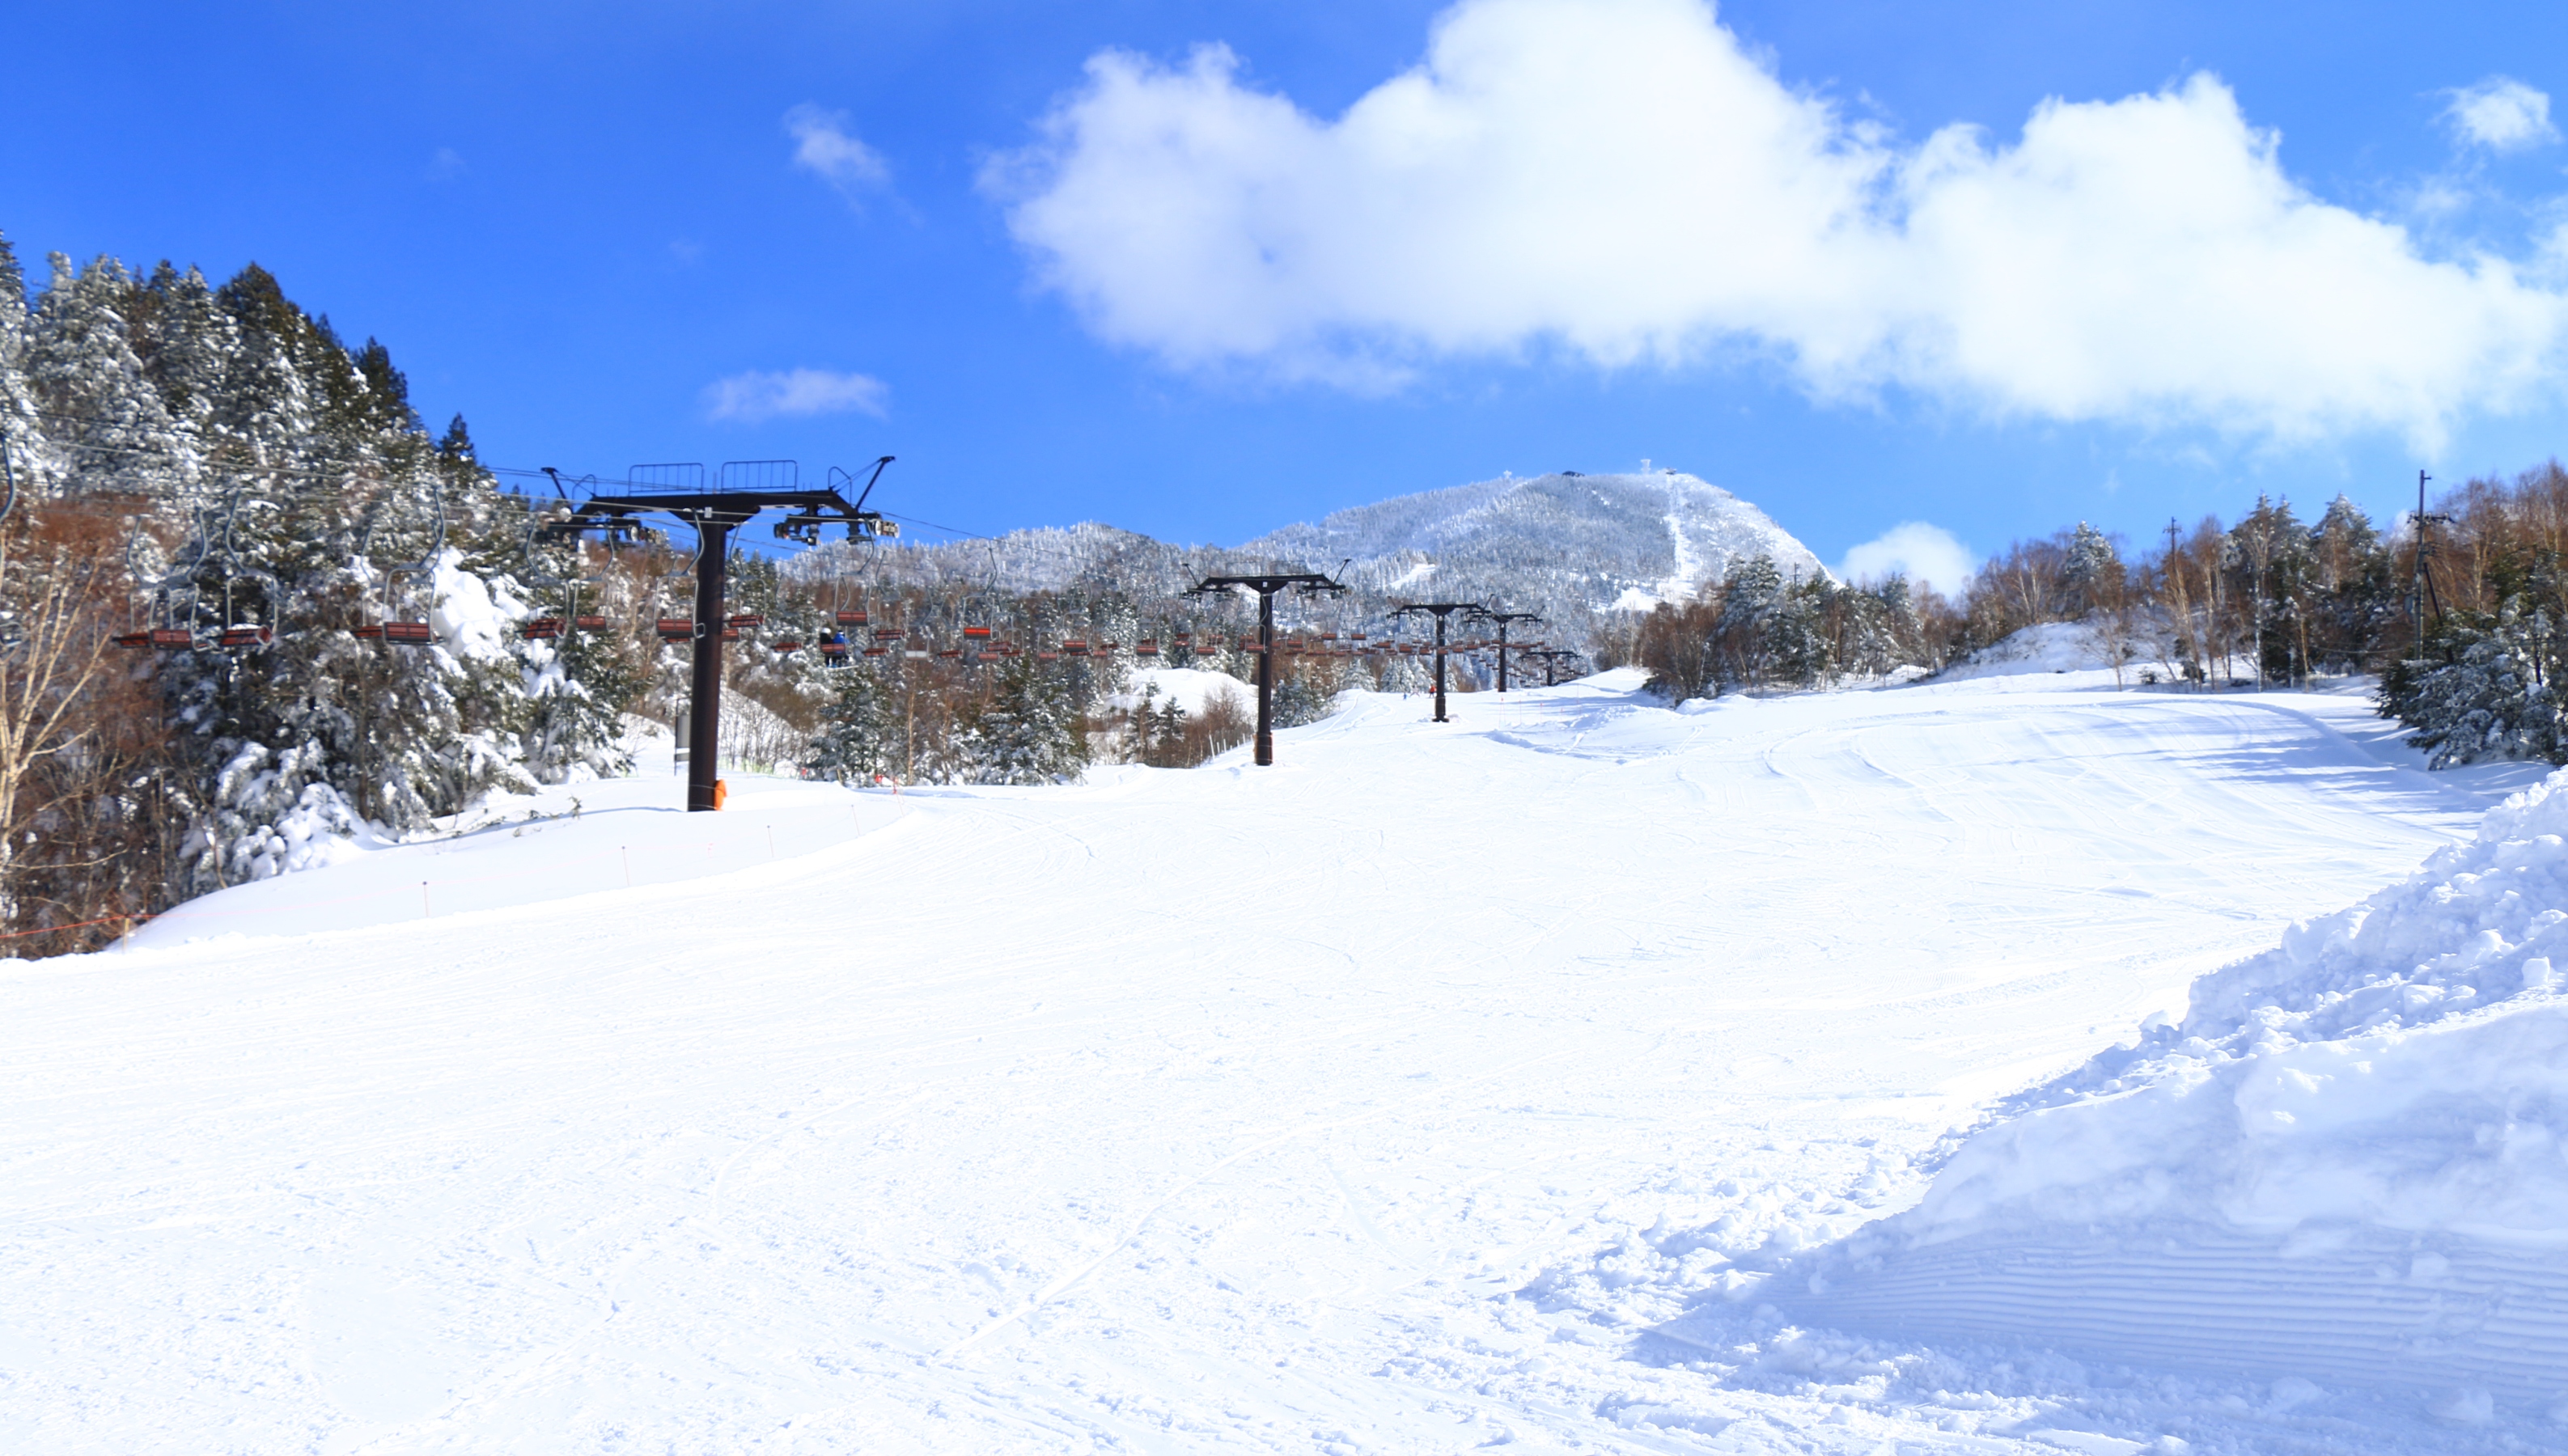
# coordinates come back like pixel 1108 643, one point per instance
pixel 1502 620
pixel 715 511
pixel 1439 611
pixel 2423 589
pixel 1266 585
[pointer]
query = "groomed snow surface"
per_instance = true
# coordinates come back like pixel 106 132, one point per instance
pixel 1566 1077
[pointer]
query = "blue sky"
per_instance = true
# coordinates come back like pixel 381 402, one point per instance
pixel 2284 248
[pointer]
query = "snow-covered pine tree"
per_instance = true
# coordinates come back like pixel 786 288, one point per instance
pixel 1029 731
pixel 109 430
pixel 859 738
pixel 22 433
pixel 1750 594
pixel 2483 692
pixel 2088 569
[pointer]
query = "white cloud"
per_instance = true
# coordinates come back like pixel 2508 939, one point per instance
pixel 2501 113
pixel 1623 180
pixel 1921 552
pixel 760 395
pixel 823 147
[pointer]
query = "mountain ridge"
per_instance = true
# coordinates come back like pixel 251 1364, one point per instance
pixel 1654 535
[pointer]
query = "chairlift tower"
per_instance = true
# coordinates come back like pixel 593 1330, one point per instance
pixel 1549 657
pixel 1266 585
pixel 738 495
pixel 1439 611
pixel 1501 620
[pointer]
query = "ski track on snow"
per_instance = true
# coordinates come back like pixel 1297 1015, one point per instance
pixel 1386 1100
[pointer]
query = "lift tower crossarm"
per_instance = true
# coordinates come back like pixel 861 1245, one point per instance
pixel 1439 611
pixel 1266 584
pixel 715 514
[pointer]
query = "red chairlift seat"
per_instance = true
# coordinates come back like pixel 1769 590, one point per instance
pixel 241 637
pixel 541 628
pixel 1046 657
pixel 1147 647
pixel 408 634
pixel 1074 647
pixel 788 644
pixel 976 634
pixel 887 634
pixel 948 654
pixel 589 624
pixel 852 616
pixel 878 652
pixel 677 629
pixel 741 621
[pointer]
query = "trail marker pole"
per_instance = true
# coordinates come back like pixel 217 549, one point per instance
pixel 1439 611
pixel 1266 585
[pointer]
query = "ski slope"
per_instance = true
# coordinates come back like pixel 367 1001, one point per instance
pixel 1442 1087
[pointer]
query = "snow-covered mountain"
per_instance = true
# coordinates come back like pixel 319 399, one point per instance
pixel 1570 548
pixel 1623 540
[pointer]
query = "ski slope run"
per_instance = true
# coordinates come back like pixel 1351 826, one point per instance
pixel 1402 1097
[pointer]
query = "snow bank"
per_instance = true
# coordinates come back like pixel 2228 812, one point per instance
pixel 2348 1163
pixel 2045 647
pixel 1189 687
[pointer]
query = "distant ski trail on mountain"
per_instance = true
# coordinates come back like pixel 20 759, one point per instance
pixel 1680 585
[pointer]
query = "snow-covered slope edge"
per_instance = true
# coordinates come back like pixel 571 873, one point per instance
pixel 2347 1164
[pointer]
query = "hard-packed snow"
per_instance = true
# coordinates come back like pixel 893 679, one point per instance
pixel 1501 1083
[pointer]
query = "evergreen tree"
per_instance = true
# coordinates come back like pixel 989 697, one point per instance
pixel 1299 701
pixel 2484 693
pixel 1030 731
pixel 106 421
pixel 860 738
pixel 1752 596
pixel 21 431
pixel 2088 569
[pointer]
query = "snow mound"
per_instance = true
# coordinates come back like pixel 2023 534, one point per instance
pixel 1188 688
pixel 2349 1162
pixel 2045 647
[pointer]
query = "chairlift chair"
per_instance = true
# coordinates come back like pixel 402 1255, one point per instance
pixel 394 632
pixel 165 635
